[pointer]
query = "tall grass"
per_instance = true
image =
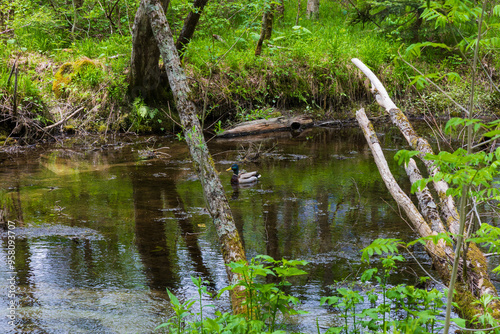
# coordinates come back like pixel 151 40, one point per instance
pixel 305 65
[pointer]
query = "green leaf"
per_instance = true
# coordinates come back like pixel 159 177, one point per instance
pixel 173 299
pixel 453 77
pixel 453 123
pixel 496 10
pixel 295 272
pixel 419 81
pixel 368 274
pixel 379 246
pixel 404 156
pixel 414 50
pixel 212 325
pixel 266 258
pixel 460 322
pixel 434 238
pixel 227 288
pixel 255 36
pixel 166 324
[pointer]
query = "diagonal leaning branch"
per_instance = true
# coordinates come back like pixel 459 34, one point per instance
pixel 440 253
pixel 417 143
pixel 215 198
pixel 478 282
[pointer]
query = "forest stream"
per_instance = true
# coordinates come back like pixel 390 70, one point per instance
pixel 103 232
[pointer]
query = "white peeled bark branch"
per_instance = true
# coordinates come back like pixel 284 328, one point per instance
pixel 440 252
pixel 427 205
pixel 478 282
pixel 417 143
pixel 397 193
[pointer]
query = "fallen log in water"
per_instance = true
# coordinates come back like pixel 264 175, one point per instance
pixel 474 281
pixel 268 125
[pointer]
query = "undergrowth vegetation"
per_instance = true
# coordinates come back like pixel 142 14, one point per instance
pixel 269 303
pixel 305 64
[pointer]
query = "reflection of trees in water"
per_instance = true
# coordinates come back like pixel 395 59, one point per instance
pixel 150 234
pixel 10 206
pixel 291 224
pixel 187 230
pixel 311 208
pixel 151 195
pixel 270 216
pixel 11 211
pixel 309 216
pixel 322 217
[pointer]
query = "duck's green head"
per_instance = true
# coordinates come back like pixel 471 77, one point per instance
pixel 234 168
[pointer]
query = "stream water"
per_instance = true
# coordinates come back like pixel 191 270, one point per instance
pixel 101 233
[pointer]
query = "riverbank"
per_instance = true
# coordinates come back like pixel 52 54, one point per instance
pixel 79 84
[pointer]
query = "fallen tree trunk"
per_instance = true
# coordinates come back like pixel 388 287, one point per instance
pixel 427 204
pixel 268 125
pixel 417 143
pixel 440 253
pixel 477 283
pixel 217 203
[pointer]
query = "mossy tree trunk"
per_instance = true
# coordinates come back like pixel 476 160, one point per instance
pixel 145 73
pixel 299 7
pixel 417 25
pixel 280 9
pixel 146 79
pixel 217 203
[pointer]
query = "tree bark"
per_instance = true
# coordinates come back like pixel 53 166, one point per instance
pixel 145 73
pixel 299 5
pixel 189 26
pixel 478 282
pixel 312 11
pixel 217 204
pixel 425 200
pixel 280 9
pixel 417 25
pixel 266 30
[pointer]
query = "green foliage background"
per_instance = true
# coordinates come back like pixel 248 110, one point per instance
pixel 304 66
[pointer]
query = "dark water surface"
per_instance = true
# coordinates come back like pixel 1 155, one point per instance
pixel 105 231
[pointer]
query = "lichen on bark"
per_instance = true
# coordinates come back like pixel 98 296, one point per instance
pixel 217 203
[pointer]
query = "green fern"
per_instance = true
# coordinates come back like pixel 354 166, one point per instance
pixel 434 238
pixel 380 246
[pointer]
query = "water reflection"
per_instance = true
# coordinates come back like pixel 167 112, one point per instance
pixel 102 234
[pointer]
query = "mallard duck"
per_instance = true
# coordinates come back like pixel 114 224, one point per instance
pixel 238 178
